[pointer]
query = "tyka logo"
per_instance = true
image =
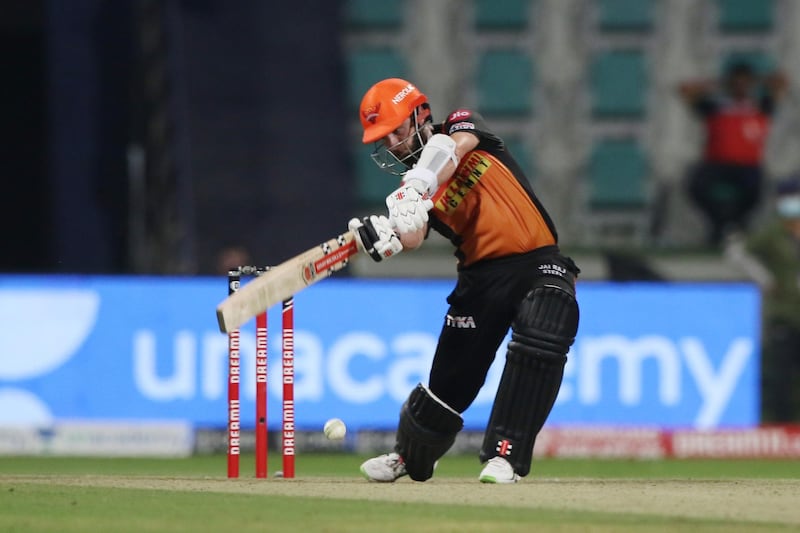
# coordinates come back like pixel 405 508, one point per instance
pixel 460 322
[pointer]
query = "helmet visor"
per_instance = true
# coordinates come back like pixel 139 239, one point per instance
pixel 399 157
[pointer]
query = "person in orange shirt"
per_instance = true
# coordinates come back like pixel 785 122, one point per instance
pixel 726 184
pixel 460 180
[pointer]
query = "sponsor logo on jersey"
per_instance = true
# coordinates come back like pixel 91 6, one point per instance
pixel 553 270
pixel 460 322
pixel 460 114
pixel 468 174
pixel 461 126
pixel 399 97
pixel 371 113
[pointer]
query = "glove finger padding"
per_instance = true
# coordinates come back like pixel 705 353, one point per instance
pixel 375 236
pixel 408 209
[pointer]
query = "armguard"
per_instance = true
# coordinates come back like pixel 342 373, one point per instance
pixel 438 151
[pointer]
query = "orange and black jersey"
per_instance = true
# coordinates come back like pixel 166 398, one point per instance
pixel 487 208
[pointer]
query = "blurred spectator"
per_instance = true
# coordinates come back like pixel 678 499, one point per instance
pixel 231 258
pixel 772 257
pixel 726 184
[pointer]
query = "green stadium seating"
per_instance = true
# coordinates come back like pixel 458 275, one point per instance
pixel 505 82
pixel 625 15
pixel 502 14
pixel 745 15
pixel 374 14
pixel 618 81
pixel 617 174
pixel 373 185
pixel 522 154
pixel 761 61
pixel 367 66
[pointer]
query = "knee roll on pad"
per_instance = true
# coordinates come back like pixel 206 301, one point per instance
pixel 542 333
pixel 427 429
pixel 546 323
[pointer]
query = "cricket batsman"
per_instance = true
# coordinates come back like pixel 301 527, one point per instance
pixel 460 180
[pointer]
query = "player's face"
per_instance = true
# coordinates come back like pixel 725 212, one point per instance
pixel 742 84
pixel 398 151
pixel 401 142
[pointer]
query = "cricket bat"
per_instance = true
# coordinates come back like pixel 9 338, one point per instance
pixel 285 280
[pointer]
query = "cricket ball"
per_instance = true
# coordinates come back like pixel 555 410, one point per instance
pixel 335 429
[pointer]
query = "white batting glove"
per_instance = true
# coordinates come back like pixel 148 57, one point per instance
pixel 375 236
pixel 408 209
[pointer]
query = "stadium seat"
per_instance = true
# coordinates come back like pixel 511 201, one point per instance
pixel 373 184
pixel 745 15
pixel 367 66
pixel 505 82
pixel 374 14
pixel 617 174
pixel 761 61
pixel 618 81
pixel 522 154
pixel 501 14
pixel 625 15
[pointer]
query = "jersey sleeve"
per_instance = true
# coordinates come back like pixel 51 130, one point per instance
pixel 472 122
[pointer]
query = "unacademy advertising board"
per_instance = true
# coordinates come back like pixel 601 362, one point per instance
pixel 147 348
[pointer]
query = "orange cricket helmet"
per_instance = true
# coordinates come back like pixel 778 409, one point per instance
pixel 386 105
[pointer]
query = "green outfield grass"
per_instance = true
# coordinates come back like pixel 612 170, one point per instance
pixel 192 494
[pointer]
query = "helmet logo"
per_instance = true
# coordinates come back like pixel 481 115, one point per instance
pixel 371 113
pixel 399 97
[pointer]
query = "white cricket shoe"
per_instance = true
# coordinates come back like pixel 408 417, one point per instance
pixel 384 468
pixel 498 470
